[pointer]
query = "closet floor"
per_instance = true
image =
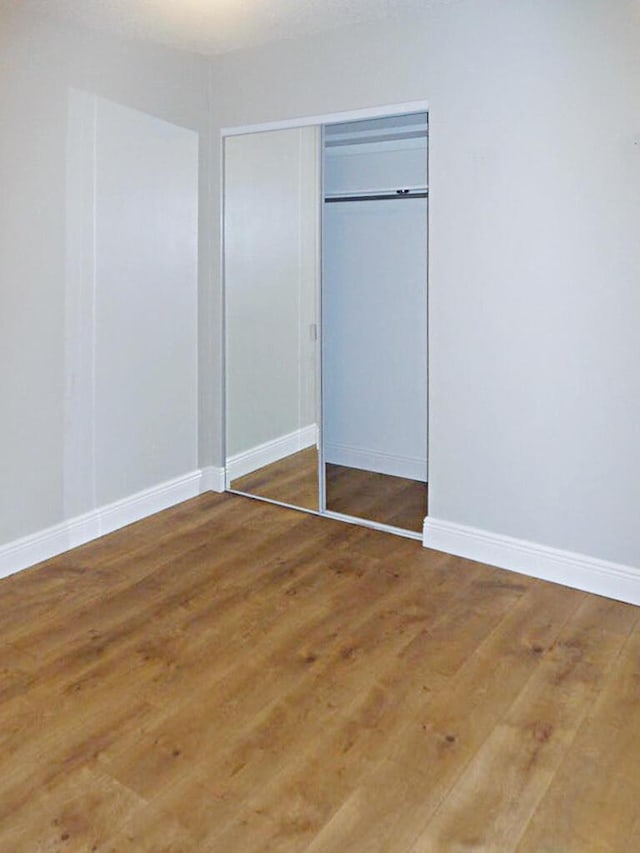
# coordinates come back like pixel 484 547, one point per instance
pixel 396 501
pixel 377 497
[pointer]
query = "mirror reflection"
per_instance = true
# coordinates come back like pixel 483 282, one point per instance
pixel 361 325
pixel 271 255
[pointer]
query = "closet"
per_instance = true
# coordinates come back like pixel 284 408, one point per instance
pixel 325 267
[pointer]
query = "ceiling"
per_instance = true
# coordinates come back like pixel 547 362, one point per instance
pixel 218 26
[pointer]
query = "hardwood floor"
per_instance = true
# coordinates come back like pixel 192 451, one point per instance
pixel 234 676
pixel 378 497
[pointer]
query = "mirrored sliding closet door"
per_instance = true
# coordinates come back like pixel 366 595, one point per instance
pixel 325 266
pixel 271 271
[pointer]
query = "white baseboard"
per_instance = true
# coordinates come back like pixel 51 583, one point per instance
pixel 381 463
pixel 55 540
pixel 271 451
pixel 212 479
pixel 613 580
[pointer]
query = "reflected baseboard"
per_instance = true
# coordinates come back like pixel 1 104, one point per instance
pixel 271 451
pixel 372 460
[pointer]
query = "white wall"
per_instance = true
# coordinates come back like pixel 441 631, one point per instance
pixel 130 302
pixel 534 256
pixel 534 262
pixel 146 301
pixel 152 115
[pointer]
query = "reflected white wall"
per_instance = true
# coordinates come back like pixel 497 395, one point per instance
pixel 272 208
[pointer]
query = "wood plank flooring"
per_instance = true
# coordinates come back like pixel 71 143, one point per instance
pixel 364 494
pixel 233 676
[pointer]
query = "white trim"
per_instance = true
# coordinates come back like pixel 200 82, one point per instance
pixel 613 580
pixel 271 451
pixel 322 480
pixel 330 118
pixel 212 480
pixel 55 540
pixel 373 460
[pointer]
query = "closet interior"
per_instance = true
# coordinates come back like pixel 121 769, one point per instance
pixel 325 268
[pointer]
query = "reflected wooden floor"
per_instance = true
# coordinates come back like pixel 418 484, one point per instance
pixel 292 480
pixel 233 676
pixel 379 497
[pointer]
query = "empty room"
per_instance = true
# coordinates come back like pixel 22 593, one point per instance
pixel 319 469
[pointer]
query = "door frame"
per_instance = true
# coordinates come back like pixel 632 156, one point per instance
pixel 320 120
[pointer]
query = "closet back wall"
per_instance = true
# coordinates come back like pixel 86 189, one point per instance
pixel 375 309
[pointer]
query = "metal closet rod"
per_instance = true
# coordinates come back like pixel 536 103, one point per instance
pixel 388 196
